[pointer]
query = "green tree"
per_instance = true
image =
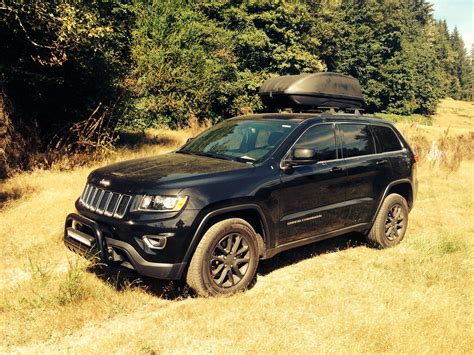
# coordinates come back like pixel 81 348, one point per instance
pixel 60 60
pixel 385 44
pixel 444 54
pixel 460 86
pixel 208 59
pixel 180 62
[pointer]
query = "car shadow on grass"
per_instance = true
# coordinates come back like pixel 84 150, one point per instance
pixel 10 193
pixel 293 256
pixel 123 279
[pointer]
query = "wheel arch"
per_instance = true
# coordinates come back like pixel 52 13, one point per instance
pixel 402 187
pixel 405 190
pixel 251 213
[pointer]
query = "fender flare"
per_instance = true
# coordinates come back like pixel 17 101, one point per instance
pixel 219 211
pixel 389 186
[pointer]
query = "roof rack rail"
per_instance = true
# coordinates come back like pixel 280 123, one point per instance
pixel 331 110
pixel 357 111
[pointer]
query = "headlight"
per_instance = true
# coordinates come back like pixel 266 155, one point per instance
pixel 162 203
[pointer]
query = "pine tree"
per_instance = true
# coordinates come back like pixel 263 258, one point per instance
pixel 461 70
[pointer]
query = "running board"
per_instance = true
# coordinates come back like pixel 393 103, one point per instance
pixel 317 238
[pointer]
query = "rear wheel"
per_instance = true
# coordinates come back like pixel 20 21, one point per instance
pixel 225 260
pixel 391 223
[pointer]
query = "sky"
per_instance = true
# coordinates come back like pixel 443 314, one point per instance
pixel 458 13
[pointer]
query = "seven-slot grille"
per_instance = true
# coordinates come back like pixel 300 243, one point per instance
pixel 105 202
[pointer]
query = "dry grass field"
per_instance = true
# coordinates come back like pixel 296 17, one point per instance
pixel 334 296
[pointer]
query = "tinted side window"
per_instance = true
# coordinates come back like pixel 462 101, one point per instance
pixel 387 140
pixel 322 139
pixel 357 140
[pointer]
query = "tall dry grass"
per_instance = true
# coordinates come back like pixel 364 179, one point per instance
pixel 333 296
pixel 449 141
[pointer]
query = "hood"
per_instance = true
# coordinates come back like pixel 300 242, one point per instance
pixel 173 170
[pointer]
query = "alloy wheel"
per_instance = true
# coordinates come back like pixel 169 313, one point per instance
pixel 395 222
pixel 229 260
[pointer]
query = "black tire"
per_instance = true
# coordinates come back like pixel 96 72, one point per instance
pixel 391 223
pixel 225 260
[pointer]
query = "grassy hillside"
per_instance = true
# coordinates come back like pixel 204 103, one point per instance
pixel 333 296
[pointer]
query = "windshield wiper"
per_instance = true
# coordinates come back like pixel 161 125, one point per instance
pixel 243 159
pixel 211 155
pixel 181 151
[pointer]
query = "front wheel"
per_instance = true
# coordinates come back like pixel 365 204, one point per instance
pixel 225 260
pixel 391 223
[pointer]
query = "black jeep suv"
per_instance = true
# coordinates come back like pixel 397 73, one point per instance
pixel 244 190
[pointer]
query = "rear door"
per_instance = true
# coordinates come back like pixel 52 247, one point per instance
pixel 388 144
pixel 368 173
pixel 310 196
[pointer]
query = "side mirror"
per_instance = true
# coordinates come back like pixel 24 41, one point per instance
pixel 304 156
pixel 189 139
pixel 300 156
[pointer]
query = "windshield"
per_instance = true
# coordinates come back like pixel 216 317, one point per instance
pixel 240 140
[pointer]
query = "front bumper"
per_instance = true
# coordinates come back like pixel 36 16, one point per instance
pixel 93 240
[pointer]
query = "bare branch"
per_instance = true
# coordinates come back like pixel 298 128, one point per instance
pixel 28 36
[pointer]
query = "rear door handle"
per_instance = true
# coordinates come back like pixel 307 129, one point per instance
pixel 336 169
pixel 381 162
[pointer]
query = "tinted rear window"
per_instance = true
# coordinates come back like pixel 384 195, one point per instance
pixel 357 140
pixel 387 140
pixel 322 139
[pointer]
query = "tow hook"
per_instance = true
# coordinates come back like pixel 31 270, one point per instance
pixel 112 255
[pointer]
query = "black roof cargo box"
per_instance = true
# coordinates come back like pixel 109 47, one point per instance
pixel 319 90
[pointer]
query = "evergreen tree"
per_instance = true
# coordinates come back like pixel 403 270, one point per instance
pixel 461 70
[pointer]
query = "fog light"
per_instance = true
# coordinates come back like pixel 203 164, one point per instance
pixel 156 241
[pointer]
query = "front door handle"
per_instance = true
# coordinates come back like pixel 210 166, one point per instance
pixel 381 162
pixel 336 169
